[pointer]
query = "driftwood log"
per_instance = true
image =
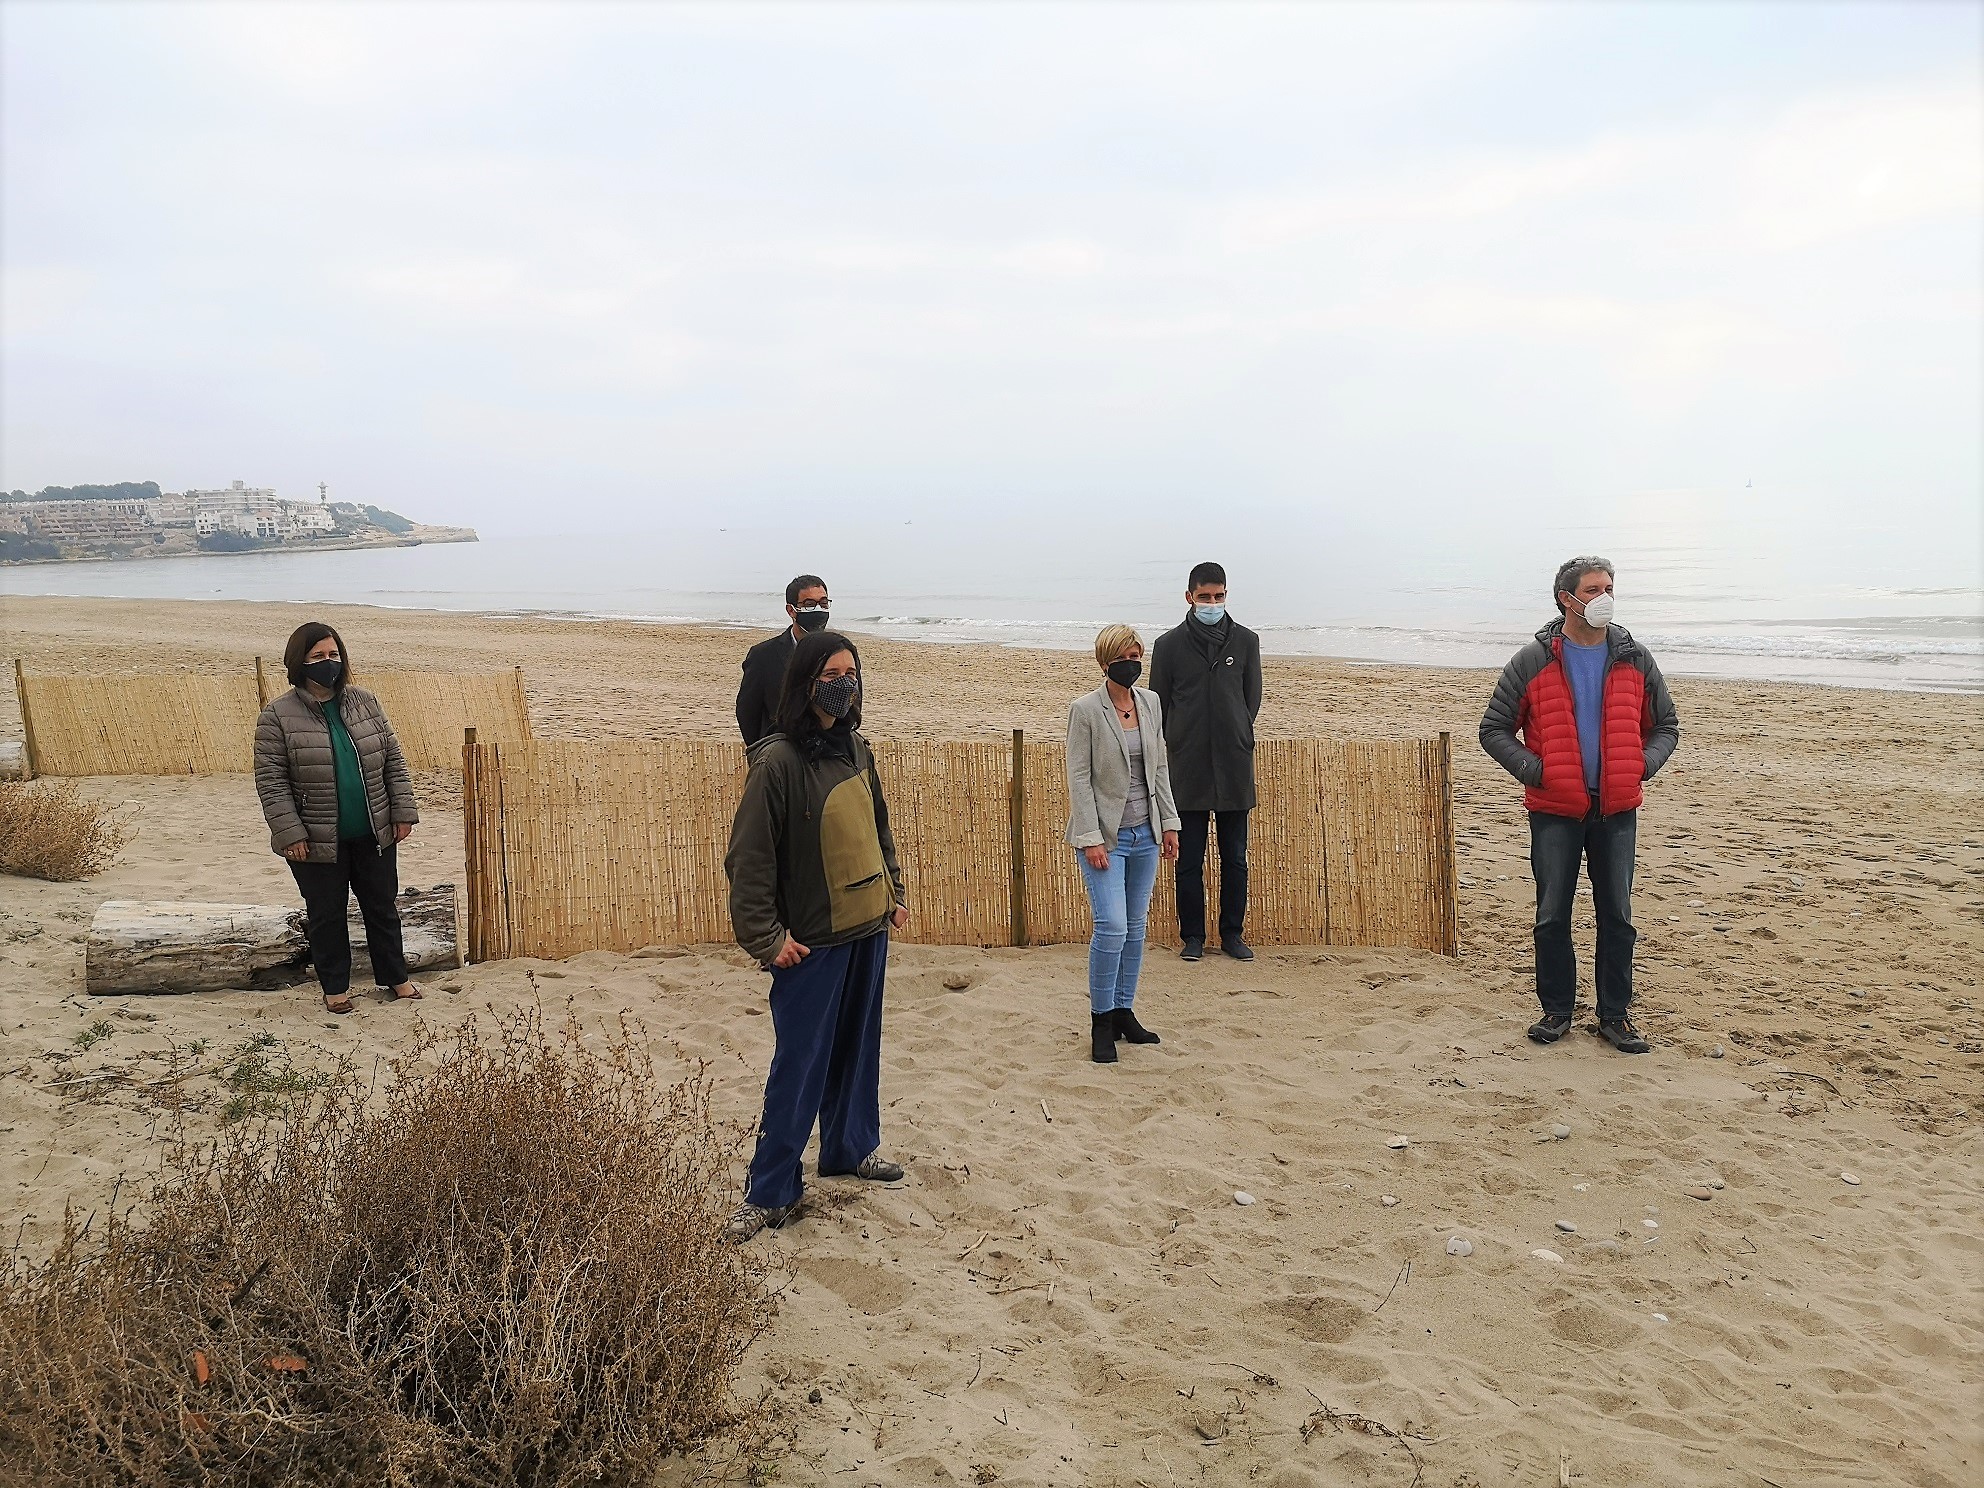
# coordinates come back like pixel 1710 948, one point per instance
pixel 190 947
pixel 13 759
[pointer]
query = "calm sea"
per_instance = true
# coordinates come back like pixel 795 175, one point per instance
pixel 1858 612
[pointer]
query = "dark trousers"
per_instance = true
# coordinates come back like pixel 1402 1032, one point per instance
pixel 1606 845
pixel 826 1067
pixel 1192 832
pixel 374 876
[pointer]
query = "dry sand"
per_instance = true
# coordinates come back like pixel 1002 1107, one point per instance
pixel 1080 1299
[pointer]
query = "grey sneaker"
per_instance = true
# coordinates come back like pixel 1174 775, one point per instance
pixel 878 1169
pixel 747 1219
pixel 1621 1035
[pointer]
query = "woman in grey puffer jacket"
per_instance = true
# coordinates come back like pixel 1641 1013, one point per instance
pixel 339 800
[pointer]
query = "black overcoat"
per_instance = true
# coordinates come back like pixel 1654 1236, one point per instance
pixel 758 691
pixel 1210 703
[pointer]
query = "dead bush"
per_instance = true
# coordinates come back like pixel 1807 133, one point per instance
pixel 504 1267
pixel 49 829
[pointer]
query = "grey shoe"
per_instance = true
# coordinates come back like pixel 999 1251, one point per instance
pixel 1237 948
pixel 878 1169
pixel 1621 1035
pixel 748 1219
pixel 1549 1028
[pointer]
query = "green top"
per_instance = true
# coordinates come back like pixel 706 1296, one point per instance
pixel 354 815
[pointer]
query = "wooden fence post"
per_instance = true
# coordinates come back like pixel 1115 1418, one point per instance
pixel 261 683
pixel 1448 875
pixel 471 846
pixel 523 702
pixel 1016 821
pixel 30 759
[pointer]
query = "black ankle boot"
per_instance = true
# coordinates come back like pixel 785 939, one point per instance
pixel 1102 1037
pixel 1127 1027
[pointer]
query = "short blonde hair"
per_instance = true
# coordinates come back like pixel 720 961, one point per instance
pixel 1114 641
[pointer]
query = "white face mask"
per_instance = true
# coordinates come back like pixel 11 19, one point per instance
pixel 1598 611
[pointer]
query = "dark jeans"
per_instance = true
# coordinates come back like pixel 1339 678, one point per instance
pixel 826 1067
pixel 1192 873
pixel 374 876
pixel 1606 845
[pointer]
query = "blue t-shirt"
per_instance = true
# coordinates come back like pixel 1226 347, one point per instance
pixel 1585 666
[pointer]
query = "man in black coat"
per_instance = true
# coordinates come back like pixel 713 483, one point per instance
pixel 808 607
pixel 1207 674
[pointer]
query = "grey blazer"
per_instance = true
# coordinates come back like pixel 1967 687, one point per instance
pixel 1099 768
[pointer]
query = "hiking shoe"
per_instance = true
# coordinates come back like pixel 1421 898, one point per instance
pixel 1194 950
pixel 1237 948
pixel 747 1219
pixel 1549 1028
pixel 878 1169
pixel 1621 1035
pixel 1127 1027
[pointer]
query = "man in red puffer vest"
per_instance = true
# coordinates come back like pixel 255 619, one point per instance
pixel 1582 716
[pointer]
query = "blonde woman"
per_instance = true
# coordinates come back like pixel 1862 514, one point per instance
pixel 1121 821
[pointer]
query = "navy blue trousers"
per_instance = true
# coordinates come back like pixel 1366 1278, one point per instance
pixel 1605 845
pixel 826 1067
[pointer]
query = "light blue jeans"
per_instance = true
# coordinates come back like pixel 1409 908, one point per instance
pixel 1120 897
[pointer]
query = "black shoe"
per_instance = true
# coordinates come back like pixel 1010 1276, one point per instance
pixel 1194 950
pixel 1237 948
pixel 1549 1028
pixel 1621 1035
pixel 1102 1037
pixel 1127 1027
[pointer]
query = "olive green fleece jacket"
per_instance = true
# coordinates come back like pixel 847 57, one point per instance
pixel 811 855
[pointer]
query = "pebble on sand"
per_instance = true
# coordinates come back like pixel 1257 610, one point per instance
pixel 1849 1178
pixel 1701 1191
pixel 957 981
pixel 1651 1224
pixel 1459 1247
pixel 1716 1183
pixel 1716 1052
pixel 1390 1201
pixel 1242 1197
pixel 1567 1226
pixel 1398 1142
pixel 1561 1132
pixel 1546 1255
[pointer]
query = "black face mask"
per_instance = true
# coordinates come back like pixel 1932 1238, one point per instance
pixel 811 620
pixel 834 696
pixel 1125 673
pixel 324 673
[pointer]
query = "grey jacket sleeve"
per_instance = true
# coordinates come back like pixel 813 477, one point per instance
pixel 1083 830
pixel 286 827
pixel 1162 804
pixel 399 779
pixel 752 864
pixel 1666 731
pixel 1498 728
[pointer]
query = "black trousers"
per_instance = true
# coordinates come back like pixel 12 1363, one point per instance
pixel 1605 845
pixel 1192 832
pixel 374 876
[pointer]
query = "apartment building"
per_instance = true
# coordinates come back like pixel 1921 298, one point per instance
pixel 256 511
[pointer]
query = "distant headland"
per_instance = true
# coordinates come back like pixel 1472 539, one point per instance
pixel 135 519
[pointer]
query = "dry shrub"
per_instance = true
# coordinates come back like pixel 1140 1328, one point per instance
pixel 505 1267
pixel 49 829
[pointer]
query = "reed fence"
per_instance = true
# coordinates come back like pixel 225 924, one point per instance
pixel 188 724
pixel 576 845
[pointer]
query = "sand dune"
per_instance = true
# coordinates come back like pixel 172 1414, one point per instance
pixel 1064 1289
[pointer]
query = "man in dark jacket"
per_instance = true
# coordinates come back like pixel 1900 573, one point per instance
pixel 808 608
pixel 1207 674
pixel 1582 716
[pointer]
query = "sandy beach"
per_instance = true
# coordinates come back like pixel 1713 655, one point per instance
pixel 1064 1290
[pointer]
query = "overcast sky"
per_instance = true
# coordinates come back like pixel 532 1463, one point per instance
pixel 591 268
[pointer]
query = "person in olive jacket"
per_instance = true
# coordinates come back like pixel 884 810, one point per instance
pixel 338 797
pixel 814 890
pixel 1207 675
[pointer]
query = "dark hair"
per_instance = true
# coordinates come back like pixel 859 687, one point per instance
pixel 1572 574
pixel 300 643
pixel 1204 574
pixel 804 581
pixel 796 719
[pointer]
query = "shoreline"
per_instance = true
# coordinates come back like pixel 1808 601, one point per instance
pixel 716 627
pixel 409 541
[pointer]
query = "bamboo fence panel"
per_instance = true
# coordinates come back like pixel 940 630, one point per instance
pixel 947 811
pixel 172 724
pixel 578 845
pixel 430 710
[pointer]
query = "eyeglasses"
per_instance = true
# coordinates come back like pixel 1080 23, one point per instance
pixel 814 604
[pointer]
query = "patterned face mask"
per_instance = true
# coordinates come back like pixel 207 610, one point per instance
pixel 834 696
